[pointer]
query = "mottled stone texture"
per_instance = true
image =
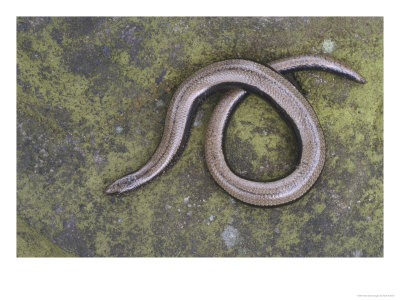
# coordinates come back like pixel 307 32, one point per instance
pixel 92 99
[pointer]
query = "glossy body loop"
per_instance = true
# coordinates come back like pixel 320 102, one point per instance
pixel 242 76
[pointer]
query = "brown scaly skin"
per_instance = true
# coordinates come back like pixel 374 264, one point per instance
pixel 242 76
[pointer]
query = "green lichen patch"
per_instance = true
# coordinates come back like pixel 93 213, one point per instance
pixel 260 145
pixel 30 243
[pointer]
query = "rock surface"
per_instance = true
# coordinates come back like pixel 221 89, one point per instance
pixel 92 100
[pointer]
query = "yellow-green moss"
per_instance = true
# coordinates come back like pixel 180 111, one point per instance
pixel 31 243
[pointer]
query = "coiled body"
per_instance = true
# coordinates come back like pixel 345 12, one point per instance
pixel 242 76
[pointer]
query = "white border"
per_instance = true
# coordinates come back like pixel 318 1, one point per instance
pixel 261 278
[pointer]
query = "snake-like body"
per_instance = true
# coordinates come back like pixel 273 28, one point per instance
pixel 241 77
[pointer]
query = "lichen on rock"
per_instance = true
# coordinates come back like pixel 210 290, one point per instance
pixel 92 96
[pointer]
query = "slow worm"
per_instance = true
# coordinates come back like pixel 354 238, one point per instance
pixel 241 77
